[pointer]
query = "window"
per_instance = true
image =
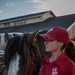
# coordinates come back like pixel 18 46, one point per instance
pixel 1 25
pixel 11 24
pixel 20 22
pixel 6 24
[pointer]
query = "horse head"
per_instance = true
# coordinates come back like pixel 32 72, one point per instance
pixel 21 45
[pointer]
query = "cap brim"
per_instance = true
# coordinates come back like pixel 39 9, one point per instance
pixel 47 37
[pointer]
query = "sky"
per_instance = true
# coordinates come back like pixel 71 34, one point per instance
pixel 15 8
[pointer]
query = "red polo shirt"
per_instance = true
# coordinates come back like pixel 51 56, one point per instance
pixel 62 66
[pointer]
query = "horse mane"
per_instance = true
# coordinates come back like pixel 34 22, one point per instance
pixel 38 50
pixel 40 43
pixel 14 45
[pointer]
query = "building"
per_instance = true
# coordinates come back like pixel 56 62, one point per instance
pixel 71 31
pixel 27 19
pixel 63 21
pixel 37 21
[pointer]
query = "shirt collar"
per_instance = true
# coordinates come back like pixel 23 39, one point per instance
pixel 58 61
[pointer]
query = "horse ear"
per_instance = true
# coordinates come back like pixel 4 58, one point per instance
pixel 31 37
pixel 7 36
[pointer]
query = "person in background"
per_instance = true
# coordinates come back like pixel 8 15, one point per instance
pixel 61 53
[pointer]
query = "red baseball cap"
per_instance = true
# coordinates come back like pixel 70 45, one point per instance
pixel 57 33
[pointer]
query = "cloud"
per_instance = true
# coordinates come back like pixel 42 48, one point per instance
pixel 9 4
pixel 36 1
pixel 40 5
pixel 0 11
pixel 59 7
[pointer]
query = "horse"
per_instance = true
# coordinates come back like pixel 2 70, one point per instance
pixel 23 54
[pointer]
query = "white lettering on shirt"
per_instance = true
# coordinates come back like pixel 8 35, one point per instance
pixel 54 71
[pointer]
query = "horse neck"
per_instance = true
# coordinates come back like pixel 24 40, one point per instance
pixel 14 65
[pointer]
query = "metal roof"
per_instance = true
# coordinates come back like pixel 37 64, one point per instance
pixel 26 16
pixel 63 21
